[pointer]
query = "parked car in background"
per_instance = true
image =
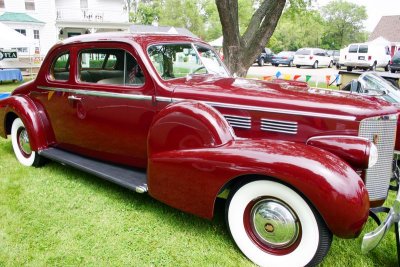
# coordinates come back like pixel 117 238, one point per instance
pixel 334 54
pixel 313 57
pixel 395 62
pixel 283 58
pixel 367 56
pixel 161 114
pixel 265 57
pixel 370 83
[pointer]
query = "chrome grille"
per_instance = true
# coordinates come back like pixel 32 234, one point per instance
pixel 382 129
pixel 279 126
pixel 239 121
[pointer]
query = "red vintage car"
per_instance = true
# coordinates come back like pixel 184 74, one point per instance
pixel 161 114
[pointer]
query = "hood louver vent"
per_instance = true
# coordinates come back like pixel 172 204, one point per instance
pixel 279 126
pixel 239 121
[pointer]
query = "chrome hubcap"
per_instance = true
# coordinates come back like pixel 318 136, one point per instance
pixel 23 140
pixel 274 223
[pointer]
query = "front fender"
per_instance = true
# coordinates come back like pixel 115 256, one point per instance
pixel 189 177
pixel 25 109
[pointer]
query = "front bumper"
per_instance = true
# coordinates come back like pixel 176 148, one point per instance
pixel 372 239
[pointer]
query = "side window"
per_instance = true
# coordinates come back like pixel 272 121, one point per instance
pixel 363 49
pixel 353 49
pixel 109 66
pixel 60 68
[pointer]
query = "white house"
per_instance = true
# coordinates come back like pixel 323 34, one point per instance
pixel 47 21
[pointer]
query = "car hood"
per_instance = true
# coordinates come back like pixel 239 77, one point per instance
pixel 281 97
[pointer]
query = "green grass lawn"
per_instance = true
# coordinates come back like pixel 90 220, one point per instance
pixel 59 216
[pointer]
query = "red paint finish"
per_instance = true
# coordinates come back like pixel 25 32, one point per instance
pixel 190 179
pixel 353 150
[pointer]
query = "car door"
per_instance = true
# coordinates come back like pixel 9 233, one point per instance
pixel 106 109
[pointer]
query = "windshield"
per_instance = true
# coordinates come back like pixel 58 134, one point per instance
pixel 180 60
pixel 372 83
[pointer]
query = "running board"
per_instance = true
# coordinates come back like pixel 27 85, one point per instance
pixel 132 179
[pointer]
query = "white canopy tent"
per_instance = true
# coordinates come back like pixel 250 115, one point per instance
pixel 217 42
pixel 13 39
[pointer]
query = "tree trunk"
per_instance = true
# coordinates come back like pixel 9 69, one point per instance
pixel 240 51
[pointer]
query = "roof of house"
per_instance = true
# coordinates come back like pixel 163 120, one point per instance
pixel 18 17
pixel 388 27
pixel 161 29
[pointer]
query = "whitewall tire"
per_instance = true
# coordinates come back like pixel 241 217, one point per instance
pixel 274 226
pixel 21 145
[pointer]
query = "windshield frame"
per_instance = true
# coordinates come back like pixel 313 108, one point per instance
pixel 193 45
pixel 388 89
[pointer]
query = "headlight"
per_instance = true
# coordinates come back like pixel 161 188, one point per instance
pixel 373 155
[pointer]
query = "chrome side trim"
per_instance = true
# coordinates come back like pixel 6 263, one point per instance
pixel 97 93
pixel 214 104
pixel 275 110
pixel 335 136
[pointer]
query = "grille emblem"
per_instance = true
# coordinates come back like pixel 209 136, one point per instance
pixel 375 139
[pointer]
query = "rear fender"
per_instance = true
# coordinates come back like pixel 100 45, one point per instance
pixel 191 177
pixel 33 118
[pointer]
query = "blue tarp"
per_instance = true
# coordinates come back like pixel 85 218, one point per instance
pixel 10 75
pixel 4 95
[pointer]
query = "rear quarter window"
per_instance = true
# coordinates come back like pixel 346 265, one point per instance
pixel 60 68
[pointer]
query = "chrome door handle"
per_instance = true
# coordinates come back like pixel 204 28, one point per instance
pixel 74 98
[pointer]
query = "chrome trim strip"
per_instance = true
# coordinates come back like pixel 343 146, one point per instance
pixel 214 104
pixel 266 128
pixel 275 110
pixel 278 121
pixel 238 120
pixel 280 131
pixel 97 93
pixel 239 123
pixel 271 124
pixel 238 117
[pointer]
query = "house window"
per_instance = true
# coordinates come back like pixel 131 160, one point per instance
pixel 84 4
pixel 21 31
pixel 30 4
pixel 2 4
pixel 36 34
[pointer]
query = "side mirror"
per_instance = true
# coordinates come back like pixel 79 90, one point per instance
pixel 355 86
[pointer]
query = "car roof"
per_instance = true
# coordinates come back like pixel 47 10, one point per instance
pixel 144 38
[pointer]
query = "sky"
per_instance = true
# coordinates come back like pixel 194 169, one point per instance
pixel 375 10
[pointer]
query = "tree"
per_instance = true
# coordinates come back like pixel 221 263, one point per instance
pixel 240 50
pixel 296 29
pixel 344 22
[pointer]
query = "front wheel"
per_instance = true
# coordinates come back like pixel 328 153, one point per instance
pixel 274 226
pixel 330 64
pixel 315 65
pixel 290 63
pixel 261 62
pixel 21 145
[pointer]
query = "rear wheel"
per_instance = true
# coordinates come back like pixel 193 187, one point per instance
pixel 21 145
pixel 387 67
pixel 291 64
pixel 349 68
pixel 373 67
pixel 315 65
pixel 330 64
pixel 298 66
pixel 274 226
pixel 392 71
